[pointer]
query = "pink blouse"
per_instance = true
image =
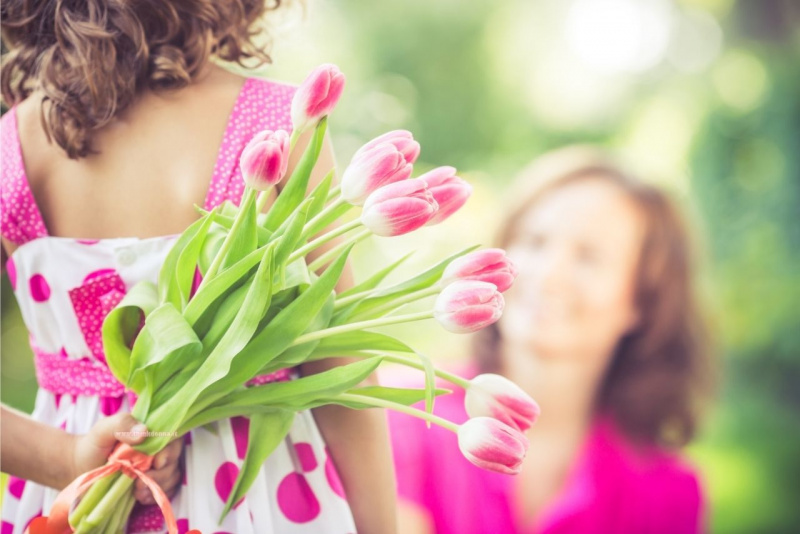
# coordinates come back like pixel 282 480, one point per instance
pixel 613 488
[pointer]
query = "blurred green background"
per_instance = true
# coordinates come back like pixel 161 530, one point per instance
pixel 702 96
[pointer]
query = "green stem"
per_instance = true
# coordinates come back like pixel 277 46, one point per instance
pixel 293 140
pixel 249 193
pixel 262 198
pixel 450 377
pixel 400 301
pixel 362 325
pixel 402 408
pixel 91 498
pixel 119 517
pixel 107 504
pixel 321 240
pixel 332 253
pixel 327 210
pixel 333 193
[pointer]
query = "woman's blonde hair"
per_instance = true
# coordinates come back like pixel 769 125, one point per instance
pixel 661 370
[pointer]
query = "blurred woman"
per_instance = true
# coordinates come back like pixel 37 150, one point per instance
pixel 602 328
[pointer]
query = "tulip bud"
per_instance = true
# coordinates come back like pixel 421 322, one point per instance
pixel 492 445
pixel 489 265
pixel 265 159
pixel 371 169
pixel 316 96
pixel 498 397
pixel 468 305
pixel 450 191
pixel 403 140
pixel 398 208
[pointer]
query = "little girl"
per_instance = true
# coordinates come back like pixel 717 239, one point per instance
pixel 120 121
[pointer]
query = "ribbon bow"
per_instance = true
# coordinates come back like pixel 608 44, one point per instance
pixel 124 458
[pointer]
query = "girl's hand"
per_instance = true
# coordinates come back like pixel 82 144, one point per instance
pixel 93 449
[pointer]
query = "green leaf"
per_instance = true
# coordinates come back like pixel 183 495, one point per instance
pixel 165 335
pixel 267 431
pixel 405 396
pixel 430 382
pixel 298 354
pixel 269 343
pixel 293 394
pixel 243 239
pixel 222 284
pixel 328 219
pixel 168 290
pixel 320 195
pixel 348 342
pixel 224 316
pixel 292 231
pixel 294 191
pixel 215 368
pixel 121 326
pixel 226 222
pixel 373 281
pixel 188 260
pixel 424 280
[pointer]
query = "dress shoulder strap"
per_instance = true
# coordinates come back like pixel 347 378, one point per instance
pixel 263 104
pixel 20 218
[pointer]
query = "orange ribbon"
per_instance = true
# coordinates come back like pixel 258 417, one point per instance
pixel 124 458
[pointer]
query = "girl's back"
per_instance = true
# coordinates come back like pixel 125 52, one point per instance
pixel 155 162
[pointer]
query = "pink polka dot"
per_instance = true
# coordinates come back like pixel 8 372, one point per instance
pixel 40 289
pixel 63 353
pixel 87 241
pixel 333 477
pixel 97 274
pixel 296 499
pixel 16 486
pixel 6 528
pixel 241 427
pixel 224 481
pixel 57 397
pixel 110 405
pixel 183 526
pixel 11 269
pixel 305 453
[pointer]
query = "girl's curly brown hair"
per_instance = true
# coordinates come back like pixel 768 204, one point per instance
pixel 91 58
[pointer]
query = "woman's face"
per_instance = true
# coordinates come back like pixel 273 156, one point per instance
pixel 577 251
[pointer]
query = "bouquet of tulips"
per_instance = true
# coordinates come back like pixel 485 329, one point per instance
pixel 236 298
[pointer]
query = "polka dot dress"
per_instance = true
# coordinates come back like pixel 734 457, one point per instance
pixel 66 286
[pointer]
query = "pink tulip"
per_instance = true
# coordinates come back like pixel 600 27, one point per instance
pixel 492 445
pixel 498 397
pixel 398 208
pixel 403 140
pixel 265 159
pixel 316 96
pixel 489 265
pixel 371 169
pixel 468 305
pixel 450 191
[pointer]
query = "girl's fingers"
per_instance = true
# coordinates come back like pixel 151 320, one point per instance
pixel 168 481
pixel 165 471
pixel 169 455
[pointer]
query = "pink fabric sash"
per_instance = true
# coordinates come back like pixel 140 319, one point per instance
pixel 60 374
